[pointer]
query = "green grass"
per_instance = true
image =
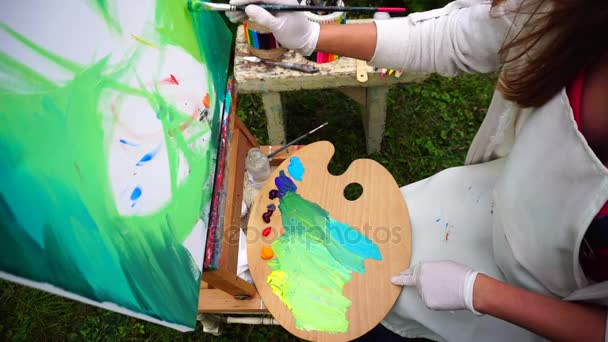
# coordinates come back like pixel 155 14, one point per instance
pixel 429 127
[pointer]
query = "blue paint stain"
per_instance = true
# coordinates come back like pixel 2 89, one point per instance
pixel 148 156
pixel 437 220
pixel 284 184
pixel 295 168
pixel 228 102
pixel 355 243
pixel 446 224
pixel 136 194
pixel 124 142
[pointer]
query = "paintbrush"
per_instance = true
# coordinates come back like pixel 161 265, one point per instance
pixel 196 6
pixel 309 69
pixel 295 141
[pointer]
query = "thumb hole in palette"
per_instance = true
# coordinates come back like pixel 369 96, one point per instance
pixel 353 191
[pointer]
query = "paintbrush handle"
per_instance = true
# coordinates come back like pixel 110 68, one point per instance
pixel 310 69
pixel 295 141
pixel 287 145
pixel 298 8
pixel 197 5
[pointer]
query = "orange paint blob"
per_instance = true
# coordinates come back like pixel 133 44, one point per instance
pixel 267 253
pixel 206 100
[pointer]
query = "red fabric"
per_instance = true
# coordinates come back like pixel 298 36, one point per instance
pixel 594 251
pixel 604 210
pixel 575 96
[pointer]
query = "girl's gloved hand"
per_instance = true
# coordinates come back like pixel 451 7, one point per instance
pixel 291 29
pixel 442 285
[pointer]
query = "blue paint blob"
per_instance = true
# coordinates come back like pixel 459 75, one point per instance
pixel 284 184
pixel 136 194
pixel 124 142
pixel 295 168
pixel 148 156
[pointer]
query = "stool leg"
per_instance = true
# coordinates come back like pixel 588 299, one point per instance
pixel 374 117
pixel 274 117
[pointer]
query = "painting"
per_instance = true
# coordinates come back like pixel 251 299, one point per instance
pixel 111 113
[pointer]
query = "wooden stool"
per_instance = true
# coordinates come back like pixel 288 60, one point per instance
pixel 340 74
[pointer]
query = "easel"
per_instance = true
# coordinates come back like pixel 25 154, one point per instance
pixel 222 291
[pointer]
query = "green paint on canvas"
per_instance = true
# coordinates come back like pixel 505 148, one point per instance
pixel 58 220
pixel 203 35
pixel 108 13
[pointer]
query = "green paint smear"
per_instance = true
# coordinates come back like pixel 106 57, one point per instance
pixel 314 260
pixel 58 220
pixel 108 14
pixel 58 212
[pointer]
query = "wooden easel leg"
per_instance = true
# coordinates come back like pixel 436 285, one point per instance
pixel 274 117
pixel 374 117
pixel 229 283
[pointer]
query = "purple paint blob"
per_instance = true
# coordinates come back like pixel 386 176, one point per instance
pixel 272 194
pixel 284 184
pixel 148 156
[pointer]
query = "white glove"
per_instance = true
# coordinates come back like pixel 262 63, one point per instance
pixel 291 29
pixel 442 285
pixel 238 16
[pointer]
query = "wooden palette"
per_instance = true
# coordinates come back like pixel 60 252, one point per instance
pixel 380 208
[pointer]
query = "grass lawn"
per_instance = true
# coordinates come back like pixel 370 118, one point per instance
pixel 429 127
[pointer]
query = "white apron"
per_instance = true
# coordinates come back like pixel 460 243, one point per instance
pixel 519 218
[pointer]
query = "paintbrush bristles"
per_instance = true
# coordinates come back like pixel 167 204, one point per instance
pixel 210 6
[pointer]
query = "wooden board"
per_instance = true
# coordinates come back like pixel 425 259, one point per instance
pixel 218 301
pixel 381 207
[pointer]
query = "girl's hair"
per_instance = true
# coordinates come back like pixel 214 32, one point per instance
pixel 560 38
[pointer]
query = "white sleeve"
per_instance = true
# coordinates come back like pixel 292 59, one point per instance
pixel 461 37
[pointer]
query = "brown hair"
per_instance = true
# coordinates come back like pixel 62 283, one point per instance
pixel 560 38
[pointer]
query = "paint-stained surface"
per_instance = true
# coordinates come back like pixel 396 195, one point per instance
pixel 315 258
pixel 106 170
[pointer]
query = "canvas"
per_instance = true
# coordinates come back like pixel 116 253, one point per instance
pixel 109 119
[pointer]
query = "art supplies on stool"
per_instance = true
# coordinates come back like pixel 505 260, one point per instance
pixel 309 69
pixel 338 18
pixel 262 42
